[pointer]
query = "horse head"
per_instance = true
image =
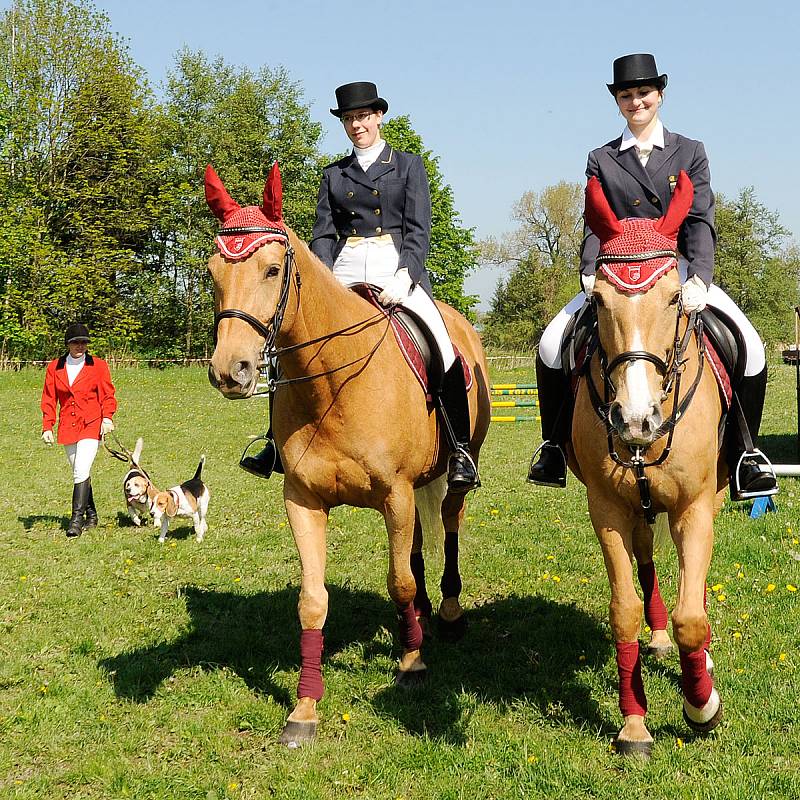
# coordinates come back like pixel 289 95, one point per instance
pixel 637 296
pixel 250 274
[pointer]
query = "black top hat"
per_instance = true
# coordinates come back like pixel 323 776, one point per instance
pixel 76 333
pixel 361 94
pixel 638 69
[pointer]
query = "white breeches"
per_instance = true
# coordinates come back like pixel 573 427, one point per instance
pixel 375 260
pixel 81 457
pixel 550 343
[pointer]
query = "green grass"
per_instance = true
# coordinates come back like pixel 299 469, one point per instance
pixel 130 669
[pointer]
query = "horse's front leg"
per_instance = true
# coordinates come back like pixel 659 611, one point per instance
pixel 693 534
pixel 399 514
pixel 423 607
pixel 655 612
pixel 308 519
pixel 614 525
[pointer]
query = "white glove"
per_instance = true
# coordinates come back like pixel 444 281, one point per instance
pixel 397 289
pixel 587 283
pixel 47 437
pixel 694 295
pixel 106 426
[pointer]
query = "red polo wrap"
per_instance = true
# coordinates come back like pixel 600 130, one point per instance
pixel 655 612
pixel 696 683
pixel 310 683
pixel 632 699
pixel 238 246
pixel 410 629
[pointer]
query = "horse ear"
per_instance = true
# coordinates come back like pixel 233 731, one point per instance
pixel 679 206
pixel 273 195
pixel 222 205
pixel 598 214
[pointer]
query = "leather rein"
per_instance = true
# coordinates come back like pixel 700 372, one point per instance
pixel 671 371
pixel 270 330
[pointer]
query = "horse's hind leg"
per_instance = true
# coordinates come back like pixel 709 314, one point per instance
pixel 422 603
pixel 451 614
pixel 308 520
pixel 399 514
pixel 655 612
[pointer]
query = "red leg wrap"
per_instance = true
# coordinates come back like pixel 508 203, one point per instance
pixel 310 684
pixel 422 603
pixel 410 629
pixel 631 688
pixel 696 683
pixel 655 612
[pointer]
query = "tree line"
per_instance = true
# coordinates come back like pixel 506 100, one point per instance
pixel 102 212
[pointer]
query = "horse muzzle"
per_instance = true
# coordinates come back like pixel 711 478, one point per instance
pixel 234 381
pixel 636 427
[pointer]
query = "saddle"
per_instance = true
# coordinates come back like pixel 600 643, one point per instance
pixel 724 347
pixel 415 343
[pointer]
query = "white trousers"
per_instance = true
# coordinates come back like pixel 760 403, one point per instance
pixel 375 260
pixel 81 457
pixel 550 343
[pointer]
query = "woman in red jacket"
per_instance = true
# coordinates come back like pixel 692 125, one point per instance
pixel 81 385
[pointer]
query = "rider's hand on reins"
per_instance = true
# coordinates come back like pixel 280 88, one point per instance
pixel 694 295
pixel 587 284
pixel 397 289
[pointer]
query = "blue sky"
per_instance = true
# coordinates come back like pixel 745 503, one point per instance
pixel 511 95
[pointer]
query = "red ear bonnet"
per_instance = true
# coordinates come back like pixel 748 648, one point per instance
pixel 679 206
pixel 598 214
pixel 273 196
pixel 222 205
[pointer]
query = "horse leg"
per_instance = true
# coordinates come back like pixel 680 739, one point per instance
pixel 614 528
pixel 422 603
pixel 693 534
pixel 451 614
pixel 399 514
pixel 655 612
pixel 308 520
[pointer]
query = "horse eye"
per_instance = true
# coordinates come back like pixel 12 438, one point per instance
pixel 273 270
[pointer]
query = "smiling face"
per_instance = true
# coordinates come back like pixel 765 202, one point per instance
pixel 639 105
pixel 362 126
pixel 78 349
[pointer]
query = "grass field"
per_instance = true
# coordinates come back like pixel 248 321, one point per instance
pixel 134 670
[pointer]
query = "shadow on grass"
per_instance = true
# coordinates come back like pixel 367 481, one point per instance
pixel 781 448
pixel 33 520
pixel 527 649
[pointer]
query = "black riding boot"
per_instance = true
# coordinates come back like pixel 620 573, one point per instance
pixel 80 496
pixel 90 516
pixel 555 408
pixel 267 461
pixel 453 404
pixel 751 474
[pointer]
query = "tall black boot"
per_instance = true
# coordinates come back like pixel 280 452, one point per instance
pixel 555 408
pixel 80 495
pixel 268 460
pixel 453 404
pixel 90 516
pixel 751 474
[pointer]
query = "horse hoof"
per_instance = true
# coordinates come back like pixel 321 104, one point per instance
pixel 703 727
pixel 451 630
pixel 627 747
pixel 658 651
pixel 410 678
pixel 296 734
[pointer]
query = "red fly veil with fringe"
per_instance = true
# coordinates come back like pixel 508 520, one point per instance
pixel 636 237
pixel 238 243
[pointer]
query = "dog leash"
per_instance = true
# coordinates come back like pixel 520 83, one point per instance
pixel 120 452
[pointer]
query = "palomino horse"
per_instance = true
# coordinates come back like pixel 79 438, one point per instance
pixel 351 422
pixel 654 449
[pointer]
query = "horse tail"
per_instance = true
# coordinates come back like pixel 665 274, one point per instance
pixel 428 500
pixel 662 537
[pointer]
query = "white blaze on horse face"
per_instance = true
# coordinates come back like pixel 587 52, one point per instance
pixel 640 399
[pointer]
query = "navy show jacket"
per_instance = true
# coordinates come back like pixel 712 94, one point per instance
pixel 392 196
pixel 636 191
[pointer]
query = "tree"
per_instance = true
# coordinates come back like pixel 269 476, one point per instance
pixel 453 252
pixel 544 251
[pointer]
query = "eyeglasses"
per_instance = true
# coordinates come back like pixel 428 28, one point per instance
pixel 361 116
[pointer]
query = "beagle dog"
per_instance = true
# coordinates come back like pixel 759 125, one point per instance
pixel 135 487
pixel 190 499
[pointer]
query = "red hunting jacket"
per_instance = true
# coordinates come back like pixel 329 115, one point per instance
pixel 83 405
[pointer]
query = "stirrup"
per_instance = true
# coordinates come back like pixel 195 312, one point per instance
pixel 267 441
pixel 739 494
pixel 534 458
pixel 467 487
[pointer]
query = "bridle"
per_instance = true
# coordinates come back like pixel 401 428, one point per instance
pixel 671 371
pixel 269 331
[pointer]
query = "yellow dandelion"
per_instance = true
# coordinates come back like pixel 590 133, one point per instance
pixel 739 671
pixel 345 717
pixel 173 543
pixel 237 580
pixel 551 558
pixel 770 587
pixel 545 576
pixel 716 587
pixel 125 572
pixel 23 577
pixel 102 718
pixel 782 657
pixel 795 541
pixel 721 598
pixel 43 689
pixel 737 565
pixel 679 743
pixel 584 580
pixel 647 629
pixel 556 579
pixel 129 561
pixel 745 616
pixel 233 786
pixel 790 587
pixel 737 635
pixel 532 759
pixel 740 574
pixel 494 512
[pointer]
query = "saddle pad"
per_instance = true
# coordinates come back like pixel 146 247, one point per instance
pixel 407 344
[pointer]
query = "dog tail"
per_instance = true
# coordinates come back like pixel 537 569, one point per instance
pixel 199 468
pixel 137 452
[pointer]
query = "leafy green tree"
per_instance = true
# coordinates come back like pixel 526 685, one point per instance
pixel 453 253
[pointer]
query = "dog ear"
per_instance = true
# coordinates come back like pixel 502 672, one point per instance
pixel 172 506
